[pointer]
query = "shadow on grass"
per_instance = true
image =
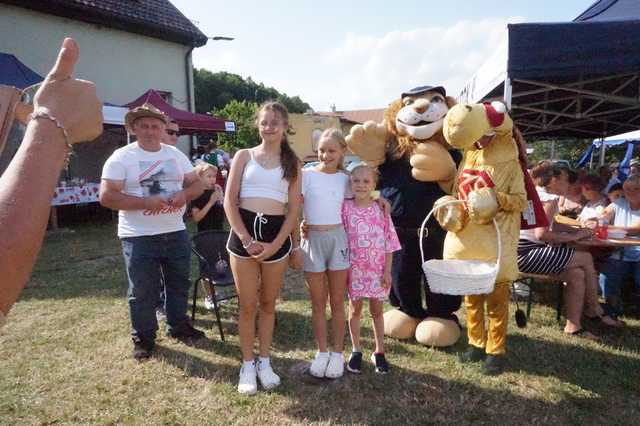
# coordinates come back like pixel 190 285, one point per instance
pixel 408 397
pixel 195 366
pixel 585 366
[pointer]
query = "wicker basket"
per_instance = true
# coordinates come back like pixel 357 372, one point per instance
pixel 459 277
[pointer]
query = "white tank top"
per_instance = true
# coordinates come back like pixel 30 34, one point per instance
pixel 258 182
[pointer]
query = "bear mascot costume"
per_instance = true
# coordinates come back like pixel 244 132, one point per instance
pixel 491 181
pixel 416 168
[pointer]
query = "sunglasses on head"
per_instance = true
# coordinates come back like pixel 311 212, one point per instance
pixel 171 132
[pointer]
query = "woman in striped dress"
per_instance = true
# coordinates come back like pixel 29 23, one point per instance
pixel 543 251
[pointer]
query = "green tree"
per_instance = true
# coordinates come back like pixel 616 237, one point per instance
pixel 571 150
pixel 243 114
pixel 215 90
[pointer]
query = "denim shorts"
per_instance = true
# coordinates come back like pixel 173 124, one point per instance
pixel 326 250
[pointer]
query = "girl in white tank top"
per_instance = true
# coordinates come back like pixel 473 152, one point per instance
pixel 259 244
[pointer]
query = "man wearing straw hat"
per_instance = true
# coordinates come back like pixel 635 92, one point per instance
pixel 149 183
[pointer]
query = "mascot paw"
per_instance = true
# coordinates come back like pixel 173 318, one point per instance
pixel 437 332
pixel 368 142
pixel 399 325
pixel 431 162
pixel 452 217
pixel 482 205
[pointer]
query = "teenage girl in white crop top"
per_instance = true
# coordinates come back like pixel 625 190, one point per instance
pixel 262 203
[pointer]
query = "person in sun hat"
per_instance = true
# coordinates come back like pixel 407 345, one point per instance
pixel 150 182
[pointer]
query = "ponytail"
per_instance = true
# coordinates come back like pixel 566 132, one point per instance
pixel 288 160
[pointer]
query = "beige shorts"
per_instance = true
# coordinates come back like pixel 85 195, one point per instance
pixel 326 250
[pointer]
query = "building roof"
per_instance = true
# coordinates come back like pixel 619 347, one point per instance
pixel 153 18
pixel 357 116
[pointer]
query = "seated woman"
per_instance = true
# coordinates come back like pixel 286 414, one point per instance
pixel 571 203
pixel 543 251
pixel 624 213
pixel 596 202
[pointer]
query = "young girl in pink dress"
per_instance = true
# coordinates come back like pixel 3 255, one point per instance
pixel 372 240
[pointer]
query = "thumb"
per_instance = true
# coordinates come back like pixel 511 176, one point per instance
pixel 66 62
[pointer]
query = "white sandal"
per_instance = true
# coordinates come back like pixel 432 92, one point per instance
pixel 335 368
pixel 247 384
pixel 268 378
pixel 319 365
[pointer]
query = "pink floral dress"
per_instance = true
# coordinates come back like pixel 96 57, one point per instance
pixel 371 236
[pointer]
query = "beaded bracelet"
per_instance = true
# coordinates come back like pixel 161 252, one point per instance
pixel 43 114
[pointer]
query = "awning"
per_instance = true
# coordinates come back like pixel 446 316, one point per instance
pixel 112 114
pixel 15 73
pixel 189 122
pixel 572 79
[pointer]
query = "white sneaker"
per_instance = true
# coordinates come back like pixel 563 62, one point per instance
pixel 268 378
pixel 335 368
pixel 208 303
pixel 247 384
pixel 319 365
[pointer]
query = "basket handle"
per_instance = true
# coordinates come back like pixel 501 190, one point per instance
pixel 426 219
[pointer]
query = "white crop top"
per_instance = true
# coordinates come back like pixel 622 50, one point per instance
pixel 258 182
pixel 323 194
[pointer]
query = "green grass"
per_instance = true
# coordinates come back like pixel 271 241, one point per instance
pixel 65 359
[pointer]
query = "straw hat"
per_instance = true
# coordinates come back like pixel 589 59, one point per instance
pixel 144 110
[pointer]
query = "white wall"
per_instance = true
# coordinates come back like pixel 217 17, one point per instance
pixel 122 65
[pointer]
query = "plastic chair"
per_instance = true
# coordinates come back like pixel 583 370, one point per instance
pixel 210 248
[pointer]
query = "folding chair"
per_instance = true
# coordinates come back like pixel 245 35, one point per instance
pixel 210 248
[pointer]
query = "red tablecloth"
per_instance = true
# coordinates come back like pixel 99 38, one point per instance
pixel 87 193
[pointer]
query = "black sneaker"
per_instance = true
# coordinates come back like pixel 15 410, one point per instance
pixel 355 363
pixel 382 367
pixel 186 331
pixel 473 354
pixel 142 349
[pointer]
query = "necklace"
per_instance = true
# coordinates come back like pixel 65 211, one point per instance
pixel 267 161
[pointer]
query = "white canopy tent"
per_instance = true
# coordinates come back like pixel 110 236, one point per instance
pixel 114 114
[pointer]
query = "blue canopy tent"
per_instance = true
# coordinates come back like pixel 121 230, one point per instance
pixel 575 79
pixel 631 139
pixel 15 73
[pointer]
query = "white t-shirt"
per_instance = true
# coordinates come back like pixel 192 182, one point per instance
pixel 624 216
pixel 145 174
pixel 545 197
pixel 592 210
pixel 323 194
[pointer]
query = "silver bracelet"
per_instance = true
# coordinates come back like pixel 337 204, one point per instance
pixel 43 114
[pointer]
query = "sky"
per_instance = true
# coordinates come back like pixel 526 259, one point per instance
pixel 359 54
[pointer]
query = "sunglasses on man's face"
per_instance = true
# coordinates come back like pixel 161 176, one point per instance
pixel 171 132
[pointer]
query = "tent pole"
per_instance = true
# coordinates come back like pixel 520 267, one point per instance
pixel 602 148
pixel 553 149
pixel 507 92
pixel 591 161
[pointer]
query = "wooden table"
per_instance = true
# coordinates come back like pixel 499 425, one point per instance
pixel 610 242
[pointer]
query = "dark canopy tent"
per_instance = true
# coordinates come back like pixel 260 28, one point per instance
pixel 15 73
pixel 189 122
pixel 574 79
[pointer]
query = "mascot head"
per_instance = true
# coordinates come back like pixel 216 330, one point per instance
pixel 473 126
pixel 417 117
